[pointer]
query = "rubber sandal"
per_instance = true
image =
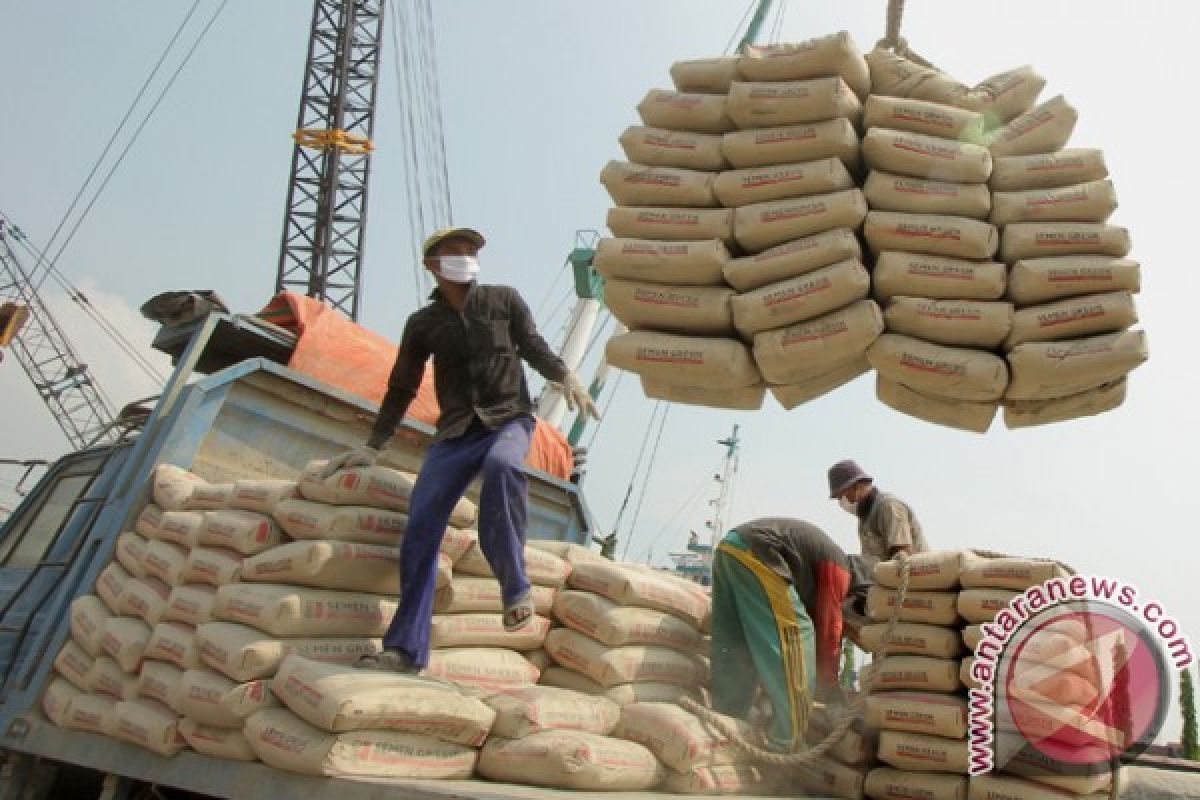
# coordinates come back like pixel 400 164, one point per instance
pixel 387 661
pixel 519 614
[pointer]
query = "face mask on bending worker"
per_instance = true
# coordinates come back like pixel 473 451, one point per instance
pixel 458 269
pixel 848 505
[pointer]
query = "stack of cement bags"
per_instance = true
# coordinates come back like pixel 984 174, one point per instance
pixel 933 246
pixel 797 293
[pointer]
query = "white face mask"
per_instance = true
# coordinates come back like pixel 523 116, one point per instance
pixel 458 269
pixel 848 505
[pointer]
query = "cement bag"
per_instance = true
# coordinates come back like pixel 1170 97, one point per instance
pixel 541 567
pixel 1006 95
pixel 489 668
pixel 887 192
pixel 936 569
pixel 617 625
pixel 1026 413
pixel 190 604
pixel 671 224
pixel 130 552
pixel 125 639
pixel 110 585
pixel 245 654
pixel 261 494
pixel 1039 280
pixel 628 587
pixel 920 156
pixel 150 725
pixel 721 779
pixel 802 391
pixel 924 117
pixel 145 599
pixel 571 760
pixel 960 323
pixel 570 552
pixel 993 786
pixel 165 561
pixel 622 694
pixel 1036 766
pixel 212 566
pixel 852 748
pixel 936 277
pixel 742 187
pixel 1073 318
pixel 56 700
pixel 93 713
pixel 910 638
pixel 791 354
pixel 88 616
pixel 292 611
pixel 748 398
pixel 1017 574
pixel 533 709
pixel 284 741
pixel 961 414
pixel 638 185
pixel 1047 170
pixel 699 263
pixel 835 54
pixel 807 297
pixel 684 360
pixel 248 698
pixel 792 258
pixel 705 75
pixel 793 144
pixel 918 752
pixel 216 742
pixel 247 532
pixel 930 608
pixel 174 643
pixel 105 676
pixel 1084 202
pixel 659 147
pixel 334 565
pixel 486 630
pixel 953 372
pixel 179 527
pixel 982 605
pixel 1058 369
pixel 336 699
pixel 375 487
pixel 1040 239
pixel 172 487
pixel 208 496
pixel 884 783
pixel 699 310
pixel 1044 129
pixel 919 712
pixel 676 737
pixel 934 234
pixel 198 695
pixel 158 681
pixel 828 778
pixel 921 673
pixel 685 111
pixel 613 666
pixel 774 104
pixel 468 593
pixel 762 225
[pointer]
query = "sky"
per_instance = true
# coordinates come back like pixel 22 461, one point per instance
pixel 534 96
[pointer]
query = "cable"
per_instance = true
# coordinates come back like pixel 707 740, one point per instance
pixel 541 306
pixel 633 475
pixel 738 29
pixel 704 482
pixel 604 411
pixel 136 134
pixel 777 25
pixel 637 510
pixel 412 207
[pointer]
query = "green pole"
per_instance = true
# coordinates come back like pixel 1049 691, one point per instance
pixel 756 23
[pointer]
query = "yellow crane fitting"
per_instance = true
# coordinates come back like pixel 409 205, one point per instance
pixel 325 139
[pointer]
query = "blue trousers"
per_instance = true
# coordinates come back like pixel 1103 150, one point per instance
pixel 448 470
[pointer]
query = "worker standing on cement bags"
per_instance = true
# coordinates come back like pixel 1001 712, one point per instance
pixel 778 587
pixel 478 336
pixel 886 525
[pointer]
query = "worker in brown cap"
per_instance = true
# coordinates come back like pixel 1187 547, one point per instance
pixel 886 525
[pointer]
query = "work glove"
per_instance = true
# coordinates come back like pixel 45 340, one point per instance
pixel 577 397
pixel 360 457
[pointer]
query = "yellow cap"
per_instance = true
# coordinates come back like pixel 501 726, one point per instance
pixel 438 237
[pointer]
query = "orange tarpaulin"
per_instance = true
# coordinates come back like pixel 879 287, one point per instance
pixel 336 351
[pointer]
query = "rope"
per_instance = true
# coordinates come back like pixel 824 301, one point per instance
pixel 853 711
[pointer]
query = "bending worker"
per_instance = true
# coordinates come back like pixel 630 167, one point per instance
pixel 778 587
pixel 478 336
pixel 886 525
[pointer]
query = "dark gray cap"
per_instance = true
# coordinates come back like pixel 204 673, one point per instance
pixel 845 474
